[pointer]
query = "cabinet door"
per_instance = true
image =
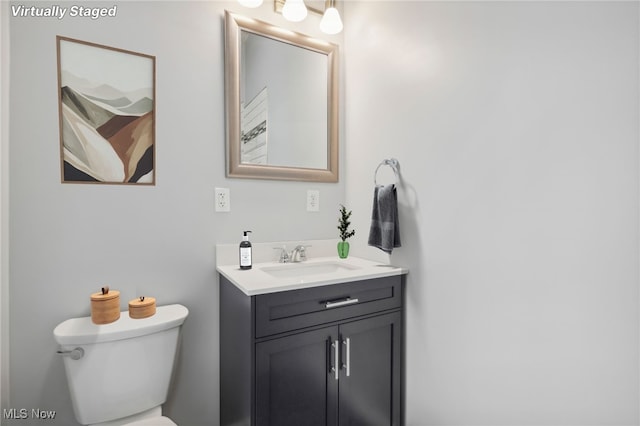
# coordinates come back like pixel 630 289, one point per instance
pixel 295 383
pixel 370 373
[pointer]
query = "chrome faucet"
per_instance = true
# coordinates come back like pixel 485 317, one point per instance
pixel 299 254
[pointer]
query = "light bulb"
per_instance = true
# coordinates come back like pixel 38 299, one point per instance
pixel 331 22
pixel 250 3
pixel 294 10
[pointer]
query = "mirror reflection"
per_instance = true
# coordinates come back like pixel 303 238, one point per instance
pixel 281 90
pixel 283 104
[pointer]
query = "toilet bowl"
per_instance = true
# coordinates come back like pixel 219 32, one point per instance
pixel 119 373
pixel 158 421
pixel 151 417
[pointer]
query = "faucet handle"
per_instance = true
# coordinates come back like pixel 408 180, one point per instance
pixel 303 252
pixel 284 256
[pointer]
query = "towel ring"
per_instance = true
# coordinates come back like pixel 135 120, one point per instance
pixel 391 162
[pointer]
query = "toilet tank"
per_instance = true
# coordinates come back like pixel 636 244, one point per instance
pixel 127 365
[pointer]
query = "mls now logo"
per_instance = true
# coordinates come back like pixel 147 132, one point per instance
pixel 23 413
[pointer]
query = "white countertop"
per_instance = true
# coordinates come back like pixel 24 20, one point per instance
pixel 256 280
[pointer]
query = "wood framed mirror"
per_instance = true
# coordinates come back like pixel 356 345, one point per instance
pixel 281 90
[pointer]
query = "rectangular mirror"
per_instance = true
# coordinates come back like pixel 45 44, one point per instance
pixel 282 103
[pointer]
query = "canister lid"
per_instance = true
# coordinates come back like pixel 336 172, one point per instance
pixel 105 294
pixel 142 302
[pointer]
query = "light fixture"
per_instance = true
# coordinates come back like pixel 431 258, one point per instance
pixel 331 22
pixel 294 10
pixel 250 3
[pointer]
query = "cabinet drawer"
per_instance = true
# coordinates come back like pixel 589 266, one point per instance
pixel 295 309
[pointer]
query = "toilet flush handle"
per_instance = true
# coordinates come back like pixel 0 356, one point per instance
pixel 74 354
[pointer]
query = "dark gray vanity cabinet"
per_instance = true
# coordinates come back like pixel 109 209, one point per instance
pixel 328 355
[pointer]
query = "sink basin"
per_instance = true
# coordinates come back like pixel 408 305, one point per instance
pixel 306 269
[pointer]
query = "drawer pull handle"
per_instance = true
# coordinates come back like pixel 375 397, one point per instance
pixel 344 302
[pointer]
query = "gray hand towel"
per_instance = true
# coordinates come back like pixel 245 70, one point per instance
pixel 385 231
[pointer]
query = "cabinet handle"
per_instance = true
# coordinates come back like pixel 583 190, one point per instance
pixel 342 302
pixel 336 360
pixel 347 365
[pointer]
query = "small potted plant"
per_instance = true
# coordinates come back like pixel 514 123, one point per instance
pixel 343 227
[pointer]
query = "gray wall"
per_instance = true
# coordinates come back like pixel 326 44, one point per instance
pixel 516 127
pixel 4 205
pixel 68 240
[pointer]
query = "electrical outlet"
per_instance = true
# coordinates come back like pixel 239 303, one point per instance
pixel 313 200
pixel 223 200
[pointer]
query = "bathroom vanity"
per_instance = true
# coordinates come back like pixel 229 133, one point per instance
pixel 315 343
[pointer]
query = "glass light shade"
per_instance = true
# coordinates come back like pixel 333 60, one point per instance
pixel 294 10
pixel 250 3
pixel 331 22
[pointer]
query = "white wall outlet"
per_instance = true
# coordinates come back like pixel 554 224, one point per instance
pixel 223 200
pixel 313 200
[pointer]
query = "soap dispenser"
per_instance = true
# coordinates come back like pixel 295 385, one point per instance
pixel 245 251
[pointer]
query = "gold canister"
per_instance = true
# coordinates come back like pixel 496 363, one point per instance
pixel 142 307
pixel 105 306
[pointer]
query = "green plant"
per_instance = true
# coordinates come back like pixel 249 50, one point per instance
pixel 343 224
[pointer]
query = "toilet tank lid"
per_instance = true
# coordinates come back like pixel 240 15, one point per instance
pixel 79 331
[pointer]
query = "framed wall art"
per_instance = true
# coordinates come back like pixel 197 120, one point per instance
pixel 106 109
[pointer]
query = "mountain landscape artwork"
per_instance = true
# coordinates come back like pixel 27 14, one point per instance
pixel 107 113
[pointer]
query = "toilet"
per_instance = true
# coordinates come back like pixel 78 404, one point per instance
pixel 119 373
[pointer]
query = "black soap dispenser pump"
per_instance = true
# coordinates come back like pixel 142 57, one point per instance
pixel 245 252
